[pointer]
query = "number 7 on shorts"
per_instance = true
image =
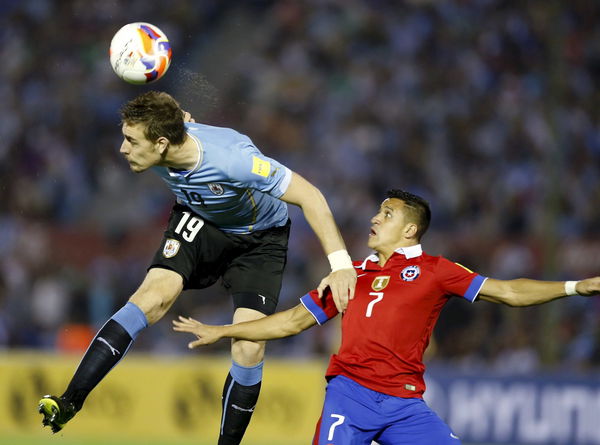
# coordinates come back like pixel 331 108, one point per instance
pixel 335 424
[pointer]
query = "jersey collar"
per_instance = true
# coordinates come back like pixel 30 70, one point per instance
pixel 186 173
pixel 409 252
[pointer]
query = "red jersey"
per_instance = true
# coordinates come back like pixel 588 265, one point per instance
pixel 388 324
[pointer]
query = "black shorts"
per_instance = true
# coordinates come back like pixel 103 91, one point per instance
pixel 250 265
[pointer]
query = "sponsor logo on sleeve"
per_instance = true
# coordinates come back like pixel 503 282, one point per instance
pixel 171 248
pixel 260 167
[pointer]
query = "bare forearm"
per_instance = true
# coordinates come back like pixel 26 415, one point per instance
pixel 319 217
pixel 342 279
pixel 278 325
pixel 526 292
pixel 316 211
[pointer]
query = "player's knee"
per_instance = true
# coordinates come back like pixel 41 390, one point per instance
pixel 157 294
pixel 247 353
pixel 153 306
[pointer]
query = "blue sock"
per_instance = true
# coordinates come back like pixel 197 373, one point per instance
pixel 132 319
pixel 246 375
pixel 240 395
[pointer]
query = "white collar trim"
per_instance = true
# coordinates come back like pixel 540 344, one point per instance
pixel 409 252
pixel 198 162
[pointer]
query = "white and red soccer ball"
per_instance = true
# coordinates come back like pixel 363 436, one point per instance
pixel 140 53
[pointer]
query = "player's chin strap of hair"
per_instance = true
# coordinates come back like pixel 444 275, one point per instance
pixel 570 287
pixel 339 260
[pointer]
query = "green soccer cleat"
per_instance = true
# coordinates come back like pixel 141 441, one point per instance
pixel 57 412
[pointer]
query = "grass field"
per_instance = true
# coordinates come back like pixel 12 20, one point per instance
pixel 65 440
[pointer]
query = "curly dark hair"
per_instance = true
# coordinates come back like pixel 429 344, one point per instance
pixel 159 112
pixel 418 210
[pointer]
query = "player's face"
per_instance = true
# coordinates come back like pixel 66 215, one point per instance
pixel 137 149
pixel 388 227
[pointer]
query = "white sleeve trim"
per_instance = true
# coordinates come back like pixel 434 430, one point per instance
pixel 477 293
pixel 285 182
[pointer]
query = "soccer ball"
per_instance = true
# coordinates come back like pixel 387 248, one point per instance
pixel 140 53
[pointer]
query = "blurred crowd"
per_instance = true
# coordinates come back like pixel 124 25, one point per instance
pixel 487 108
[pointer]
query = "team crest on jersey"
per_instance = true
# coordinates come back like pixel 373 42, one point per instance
pixel 380 282
pixel 171 248
pixel 410 273
pixel 216 189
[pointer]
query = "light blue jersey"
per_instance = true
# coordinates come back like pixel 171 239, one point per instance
pixel 234 186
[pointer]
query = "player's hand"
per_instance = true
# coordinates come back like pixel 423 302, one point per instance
pixel 588 287
pixel 206 334
pixel 187 117
pixel 341 283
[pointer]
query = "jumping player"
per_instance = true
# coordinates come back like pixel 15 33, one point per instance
pixel 375 381
pixel 230 222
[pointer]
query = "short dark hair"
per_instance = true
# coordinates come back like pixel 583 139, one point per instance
pixel 418 209
pixel 159 112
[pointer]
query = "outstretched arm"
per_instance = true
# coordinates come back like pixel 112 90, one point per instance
pixel 342 278
pixel 526 292
pixel 279 325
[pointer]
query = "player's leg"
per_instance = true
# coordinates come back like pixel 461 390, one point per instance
pixel 157 292
pixel 242 385
pixel 148 304
pixel 192 255
pixel 350 415
pixel 254 280
pixel 414 423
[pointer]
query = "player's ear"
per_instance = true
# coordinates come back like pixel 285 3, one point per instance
pixel 411 230
pixel 161 144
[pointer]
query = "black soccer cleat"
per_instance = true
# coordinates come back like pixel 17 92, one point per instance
pixel 57 412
